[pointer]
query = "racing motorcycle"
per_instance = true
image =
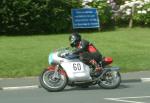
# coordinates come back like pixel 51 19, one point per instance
pixel 66 69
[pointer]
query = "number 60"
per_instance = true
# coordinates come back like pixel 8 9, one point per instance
pixel 76 66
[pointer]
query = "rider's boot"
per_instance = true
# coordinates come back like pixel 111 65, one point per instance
pixel 98 68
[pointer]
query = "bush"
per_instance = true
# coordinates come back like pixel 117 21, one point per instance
pixel 104 10
pixel 142 15
pixel 136 11
pixel 35 16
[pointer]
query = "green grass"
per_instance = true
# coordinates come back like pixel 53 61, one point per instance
pixel 27 55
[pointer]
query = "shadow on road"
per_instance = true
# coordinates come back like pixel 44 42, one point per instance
pixel 91 88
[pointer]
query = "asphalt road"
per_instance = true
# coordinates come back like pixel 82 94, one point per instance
pixel 126 93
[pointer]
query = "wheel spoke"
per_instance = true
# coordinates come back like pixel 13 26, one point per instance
pixel 51 82
pixel 111 80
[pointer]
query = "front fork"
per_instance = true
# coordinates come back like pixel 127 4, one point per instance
pixel 56 75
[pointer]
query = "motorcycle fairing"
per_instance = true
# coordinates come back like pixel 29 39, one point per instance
pixel 76 70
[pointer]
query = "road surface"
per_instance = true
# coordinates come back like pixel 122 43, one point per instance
pixel 127 93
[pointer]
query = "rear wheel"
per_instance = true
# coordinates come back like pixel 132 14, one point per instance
pixel 51 83
pixel 110 80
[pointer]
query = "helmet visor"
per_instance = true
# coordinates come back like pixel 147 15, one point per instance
pixel 72 39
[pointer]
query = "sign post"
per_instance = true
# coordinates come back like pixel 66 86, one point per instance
pixel 85 18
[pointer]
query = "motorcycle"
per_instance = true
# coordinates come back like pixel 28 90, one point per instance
pixel 66 69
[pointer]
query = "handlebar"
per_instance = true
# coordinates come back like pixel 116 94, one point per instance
pixel 66 53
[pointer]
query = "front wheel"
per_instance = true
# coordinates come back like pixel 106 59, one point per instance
pixel 110 80
pixel 52 84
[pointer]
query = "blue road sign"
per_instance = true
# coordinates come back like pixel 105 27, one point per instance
pixel 85 18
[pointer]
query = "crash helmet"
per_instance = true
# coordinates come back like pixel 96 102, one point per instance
pixel 74 39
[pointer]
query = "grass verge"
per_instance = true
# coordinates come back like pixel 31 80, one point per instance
pixel 27 55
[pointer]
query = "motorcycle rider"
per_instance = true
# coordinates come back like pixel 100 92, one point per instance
pixel 87 52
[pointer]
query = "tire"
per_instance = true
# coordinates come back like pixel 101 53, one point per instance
pixel 110 80
pixel 53 85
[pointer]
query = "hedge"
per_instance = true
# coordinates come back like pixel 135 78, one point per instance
pixel 35 16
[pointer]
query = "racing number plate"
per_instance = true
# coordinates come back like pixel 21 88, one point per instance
pixel 77 67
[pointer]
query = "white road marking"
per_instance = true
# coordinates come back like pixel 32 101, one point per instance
pixel 21 87
pixel 122 99
pixel 145 79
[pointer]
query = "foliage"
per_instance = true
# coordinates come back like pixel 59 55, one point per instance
pixel 104 11
pixel 49 16
pixel 29 16
pixel 140 14
pixel 119 2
